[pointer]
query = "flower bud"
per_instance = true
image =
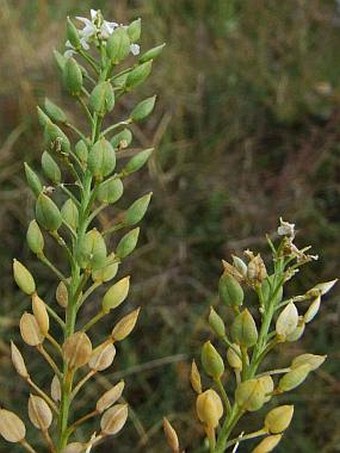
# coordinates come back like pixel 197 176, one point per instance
pixel 298 332
pixel 54 112
pixel 268 444
pixel 278 419
pixel 171 436
pixel 12 427
pixel 33 180
pixel 50 168
pixel 122 140
pixel 77 350
pixel 102 358
pixel 70 213
pixel 92 250
pixel 312 360
pixel 110 397
pixel 138 75
pixel 35 238
pixel 134 30
pixel 55 138
pixel 143 109
pixel 47 213
pixel 209 408
pixel 137 161
pixel 312 310
pixel 116 294
pixel 56 389
pixel 62 294
pixel 234 357
pixel 72 34
pixel 118 45
pixel 114 419
pixel 18 361
pixel 81 151
pixel 107 272
pixel 256 271
pixel 244 330
pixel 110 191
pixel 267 384
pixel 195 378
pixel 294 378
pixel 39 412
pixel 216 323
pixel 128 243
pixel 125 326
pixel 250 395
pixel 152 53
pixel 73 77
pixel 230 291
pixel 102 159
pixel 30 331
pixel 40 314
pixel 137 210
pixel 287 321
pixel 102 99
pixel 23 278
pixel 212 361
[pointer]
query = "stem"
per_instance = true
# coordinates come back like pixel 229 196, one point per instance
pixel 55 316
pixel 27 446
pixel 93 321
pixel 88 293
pixel 48 263
pixel 77 131
pixel 260 432
pixel 81 383
pixel 224 395
pixel 42 394
pixel 69 193
pixel 90 60
pixel 82 420
pixel 228 426
pixel 115 126
pixel 54 343
pixel 49 441
pixel 49 360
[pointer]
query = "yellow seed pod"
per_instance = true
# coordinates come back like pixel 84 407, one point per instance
pixel 110 397
pixel 234 357
pixel 278 419
pixel 314 361
pixel 77 350
pixel 40 314
pixel 29 330
pixel 294 378
pixel 39 412
pixel 18 361
pixel 107 272
pixel 56 389
pixel 212 361
pixel 268 444
pixel 195 378
pixel 209 408
pixel 268 387
pixel 62 295
pixel 287 321
pixel 102 357
pixel 12 427
pixel 74 447
pixel 23 278
pixel 114 419
pixel 125 326
pixel 116 294
pixel 250 395
pixel 171 436
pixel 312 310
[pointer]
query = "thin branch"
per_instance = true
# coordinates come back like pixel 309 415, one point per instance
pixel 43 395
pixel 56 317
pixel 49 360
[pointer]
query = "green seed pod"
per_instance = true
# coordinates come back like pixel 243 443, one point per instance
pixel 56 138
pixel 128 243
pixel 143 109
pixel 33 180
pixel 122 140
pixel 216 323
pixel 35 238
pixel 209 408
pixel 54 112
pixel 43 119
pixel 234 358
pixel 268 387
pixel 47 213
pixel 50 168
pixel 102 159
pixel 230 291
pixel 23 278
pixel 138 75
pixel 102 99
pixel 152 53
pixel 107 272
pixel 73 77
pixel 116 294
pixel 268 444
pixel 294 378
pixel 250 395
pixel 137 161
pixel 287 321
pixel 92 251
pixel 313 310
pixel 244 330
pixel 60 60
pixel 278 419
pixel 81 151
pixel 70 213
pixel 212 361
pixel 118 45
pixel 72 34
pixel 110 191
pixel 134 30
pixel 137 210
pixel 120 81
pixel 314 361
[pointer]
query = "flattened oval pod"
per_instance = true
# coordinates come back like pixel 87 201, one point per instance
pixel 18 361
pixel 30 331
pixel 77 350
pixel 12 427
pixel 125 326
pixel 110 397
pixel 103 358
pixel 39 412
pixel 209 408
pixel 114 419
pixel 23 278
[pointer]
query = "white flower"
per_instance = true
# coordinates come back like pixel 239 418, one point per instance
pixel 89 30
pixel 71 50
pixel 286 229
pixel 107 29
pixel 135 49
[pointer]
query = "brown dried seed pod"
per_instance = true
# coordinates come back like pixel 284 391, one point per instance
pixel 55 389
pixel 18 361
pixel 125 326
pixel 40 314
pixel 12 427
pixel 110 397
pixel 77 350
pixel 195 378
pixel 102 358
pixel 171 436
pixel 29 330
pixel 39 412
pixel 114 419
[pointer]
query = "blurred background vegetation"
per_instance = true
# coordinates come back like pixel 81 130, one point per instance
pixel 247 129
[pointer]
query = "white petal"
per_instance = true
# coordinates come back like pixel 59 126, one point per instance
pixel 84 43
pixel 93 14
pixel 68 44
pixel 85 20
pixel 69 53
pixel 88 31
pixel 135 49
